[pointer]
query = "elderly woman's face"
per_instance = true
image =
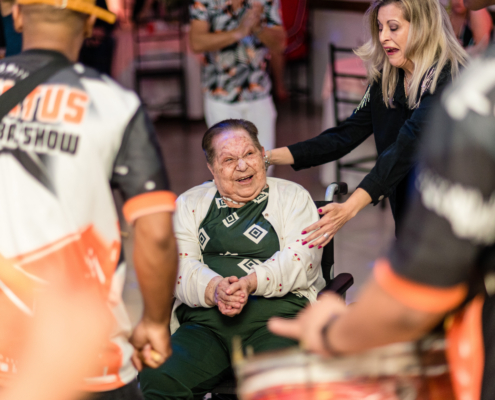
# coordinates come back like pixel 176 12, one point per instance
pixel 238 166
pixel 394 30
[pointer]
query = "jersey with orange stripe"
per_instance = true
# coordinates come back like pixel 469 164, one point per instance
pixel 62 151
pixel 445 255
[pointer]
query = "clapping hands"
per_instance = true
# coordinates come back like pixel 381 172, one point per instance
pixel 251 19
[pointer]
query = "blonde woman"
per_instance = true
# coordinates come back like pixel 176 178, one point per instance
pixel 412 55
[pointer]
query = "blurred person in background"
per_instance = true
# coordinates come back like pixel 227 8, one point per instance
pixel 443 262
pixel 63 149
pixel 473 29
pixel 411 56
pixel 236 37
pixel 97 51
pixel 13 39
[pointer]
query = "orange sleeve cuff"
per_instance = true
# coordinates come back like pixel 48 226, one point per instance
pixel 148 203
pixel 416 295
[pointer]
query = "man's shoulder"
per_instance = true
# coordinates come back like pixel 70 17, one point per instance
pixel 477 81
pixel 104 85
pixel 76 76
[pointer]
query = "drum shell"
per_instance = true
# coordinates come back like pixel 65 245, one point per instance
pixel 397 372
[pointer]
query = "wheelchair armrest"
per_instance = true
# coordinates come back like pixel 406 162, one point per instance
pixel 340 283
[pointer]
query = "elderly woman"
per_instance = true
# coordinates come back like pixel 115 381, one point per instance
pixel 242 261
pixel 412 54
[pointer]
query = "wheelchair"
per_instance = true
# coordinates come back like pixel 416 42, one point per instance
pixel 338 284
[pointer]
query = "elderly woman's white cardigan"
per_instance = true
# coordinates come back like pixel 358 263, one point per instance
pixel 295 268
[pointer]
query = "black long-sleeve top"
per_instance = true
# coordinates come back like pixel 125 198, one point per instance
pixel 396 130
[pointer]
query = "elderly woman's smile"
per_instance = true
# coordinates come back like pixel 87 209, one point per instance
pixel 238 167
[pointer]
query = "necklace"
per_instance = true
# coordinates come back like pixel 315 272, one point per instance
pixel 233 201
pixel 238 202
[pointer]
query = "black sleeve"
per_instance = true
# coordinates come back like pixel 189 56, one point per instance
pixel 395 162
pixel 139 165
pixel 336 142
pixel 451 224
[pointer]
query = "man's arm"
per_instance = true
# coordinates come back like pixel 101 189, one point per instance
pixel 155 261
pixel 481 25
pixel 478 4
pixel 202 40
pixel 375 319
pixel 272 37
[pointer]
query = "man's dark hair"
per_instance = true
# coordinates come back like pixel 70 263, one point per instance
pixel 228 125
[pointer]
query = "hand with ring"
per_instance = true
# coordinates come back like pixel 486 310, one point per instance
pixel 335 216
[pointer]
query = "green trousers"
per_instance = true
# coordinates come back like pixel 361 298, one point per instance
pixel 200 361
pixel 202 346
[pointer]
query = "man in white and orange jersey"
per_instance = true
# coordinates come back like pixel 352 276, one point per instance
pixel 71 141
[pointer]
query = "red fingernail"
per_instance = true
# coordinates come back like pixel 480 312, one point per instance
pixel 304 243
pixel 320 210
pixel 320 247
pixel 311 246
pixel 303 233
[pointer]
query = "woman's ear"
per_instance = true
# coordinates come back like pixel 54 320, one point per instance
pixel 210 168
pixel 88 26
pixel 17 18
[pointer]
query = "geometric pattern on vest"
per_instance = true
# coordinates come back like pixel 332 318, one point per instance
pixel 255 233
pixel 203 238
pixel 230 220
pixel 220 203
pixel 248 264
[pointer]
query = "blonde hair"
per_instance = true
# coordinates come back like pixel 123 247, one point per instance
pixel 431 42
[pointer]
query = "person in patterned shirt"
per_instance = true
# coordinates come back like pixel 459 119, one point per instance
pixel 242 261
pixel 237 37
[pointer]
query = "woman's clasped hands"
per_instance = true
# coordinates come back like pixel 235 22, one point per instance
pixel 232 293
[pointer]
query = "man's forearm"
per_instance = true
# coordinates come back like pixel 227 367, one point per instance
pixel 155 261
pixel 478 4
pixel 204 42
pixel 378 319
pixel 272 37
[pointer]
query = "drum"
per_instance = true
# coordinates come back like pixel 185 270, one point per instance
pixel 403 371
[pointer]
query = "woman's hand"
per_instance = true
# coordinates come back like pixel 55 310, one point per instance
pixel 239 287
pixel 228 299
pixel 335 216
pixel 308 325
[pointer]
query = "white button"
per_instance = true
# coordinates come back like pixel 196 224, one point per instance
pixel 150 185
pixel 79 68
pixel 381 197
pixel 121 169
